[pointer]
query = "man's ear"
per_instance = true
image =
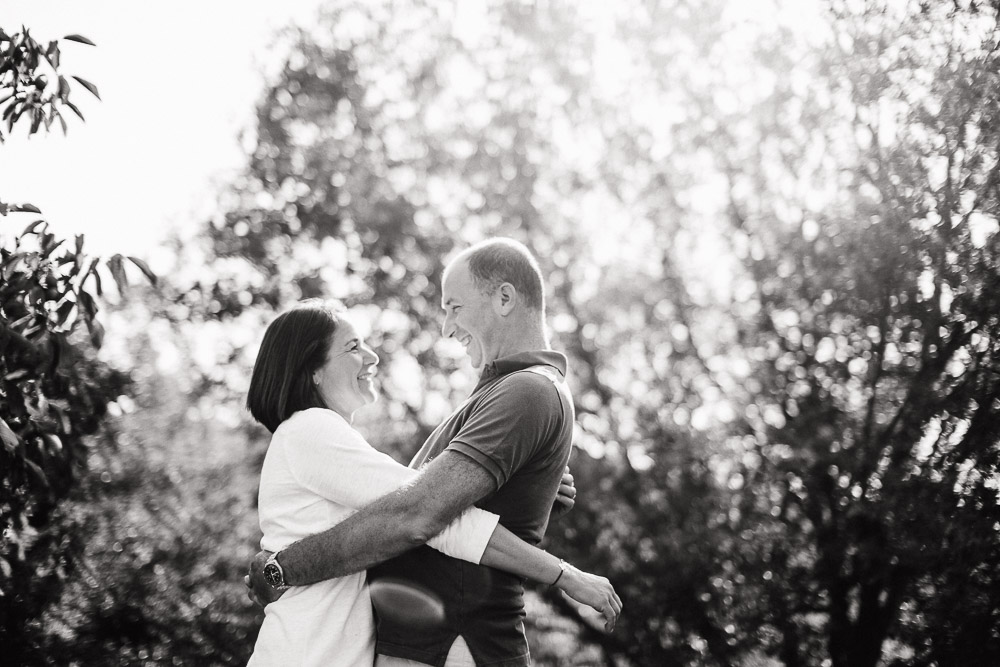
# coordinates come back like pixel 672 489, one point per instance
pixel 505 298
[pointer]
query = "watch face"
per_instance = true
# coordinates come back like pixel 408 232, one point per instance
pixel 272 575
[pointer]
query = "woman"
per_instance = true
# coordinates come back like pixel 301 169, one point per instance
pixel 312 373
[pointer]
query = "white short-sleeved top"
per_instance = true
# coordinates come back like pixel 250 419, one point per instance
pixel 318 471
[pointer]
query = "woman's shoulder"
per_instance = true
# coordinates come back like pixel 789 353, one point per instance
pixel 305 422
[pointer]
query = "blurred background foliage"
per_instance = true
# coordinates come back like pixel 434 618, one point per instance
pixel 769 237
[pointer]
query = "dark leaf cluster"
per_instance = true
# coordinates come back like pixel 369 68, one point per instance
pixel 31 84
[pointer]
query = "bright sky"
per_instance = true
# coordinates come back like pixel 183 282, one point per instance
pixel 178 82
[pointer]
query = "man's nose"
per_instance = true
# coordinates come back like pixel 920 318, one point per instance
pixel 448 328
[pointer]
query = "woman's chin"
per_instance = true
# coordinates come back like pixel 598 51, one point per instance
pixel 370 394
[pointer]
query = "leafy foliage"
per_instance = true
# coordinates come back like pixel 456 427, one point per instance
pixel 771 247
pixel 878 333
pixel 32 85
pixel 769 460
pixel 55 392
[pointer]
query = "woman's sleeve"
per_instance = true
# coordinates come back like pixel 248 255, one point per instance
pixel 332 460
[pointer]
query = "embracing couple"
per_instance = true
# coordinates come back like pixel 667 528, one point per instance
pixel 456 530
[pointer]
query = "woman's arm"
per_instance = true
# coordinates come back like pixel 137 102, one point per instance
pixel 507 552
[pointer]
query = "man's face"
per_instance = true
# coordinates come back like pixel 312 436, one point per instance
pixel 469 316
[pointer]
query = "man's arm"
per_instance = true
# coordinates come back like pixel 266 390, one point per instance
pixel 395 523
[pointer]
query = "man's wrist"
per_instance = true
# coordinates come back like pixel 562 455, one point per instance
pixel 274 574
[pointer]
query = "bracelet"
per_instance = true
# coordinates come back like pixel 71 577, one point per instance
pixel 562 570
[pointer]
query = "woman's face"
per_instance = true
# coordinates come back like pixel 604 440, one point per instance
pixel 346 380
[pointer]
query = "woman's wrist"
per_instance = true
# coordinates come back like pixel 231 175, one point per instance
pixel 563 566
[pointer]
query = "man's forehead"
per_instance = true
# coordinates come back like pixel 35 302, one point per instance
pixel 454 281
pixel 447 294
pixel 451 293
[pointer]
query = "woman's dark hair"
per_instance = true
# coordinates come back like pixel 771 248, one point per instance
pixel 295 344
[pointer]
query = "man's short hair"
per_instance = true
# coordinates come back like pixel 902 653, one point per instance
pixel 496 261
pixel 295 344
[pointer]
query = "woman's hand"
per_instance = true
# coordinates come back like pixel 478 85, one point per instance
pixel 593 591
pixel 565 497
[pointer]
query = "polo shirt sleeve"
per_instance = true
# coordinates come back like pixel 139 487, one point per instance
pixel 506 428
pixel 329 458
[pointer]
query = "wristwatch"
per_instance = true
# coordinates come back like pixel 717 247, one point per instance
pixel 273 574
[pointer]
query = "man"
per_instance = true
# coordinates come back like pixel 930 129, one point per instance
pixel 503 450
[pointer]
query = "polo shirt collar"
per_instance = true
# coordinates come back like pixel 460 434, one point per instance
pixel 520 361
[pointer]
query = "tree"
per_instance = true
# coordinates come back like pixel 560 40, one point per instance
pixel 357 189
pixel 54 390
pixel 771 253
pixel 871 480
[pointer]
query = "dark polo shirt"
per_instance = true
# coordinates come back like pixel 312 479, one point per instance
pixel 518 424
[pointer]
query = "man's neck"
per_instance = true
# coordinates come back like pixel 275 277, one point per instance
pixel 529 341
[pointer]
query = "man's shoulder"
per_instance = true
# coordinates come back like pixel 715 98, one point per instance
pixel 538 391
pixel 547 372
pixel 533 383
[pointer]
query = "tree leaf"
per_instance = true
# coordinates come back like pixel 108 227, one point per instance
pixel 64 421
pixel 79 38
pixel 62 121
pixel 11 265
pixel 37 470
pixel 25 208
pixel 92 271
pixel 63 92
pixel 53 442
pixel 89 307
pixel 33 226
pixel 50 244
pixel 88 85
pixel 14 376
pixel 118 273
pixel 75 110
pixel 8 437
pixel 36 119
pixel 52 54
pixel 96 333
pixel 144 268
pixel 64 311
pixel 56 344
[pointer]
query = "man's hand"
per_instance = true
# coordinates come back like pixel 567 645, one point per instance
pixel 566 496
pixel 258 590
